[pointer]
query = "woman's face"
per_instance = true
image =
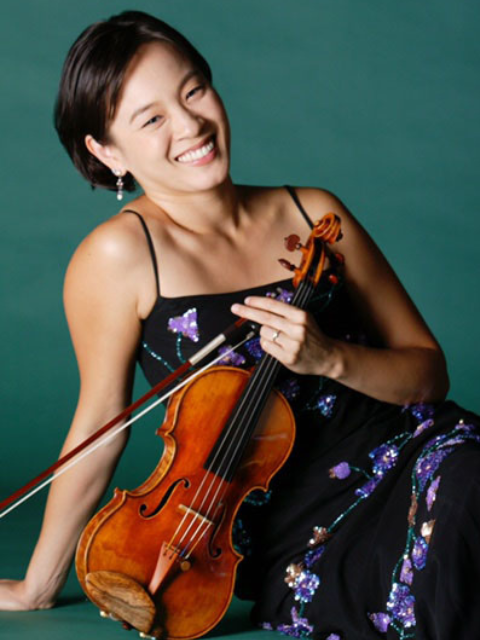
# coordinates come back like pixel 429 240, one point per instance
pixel 170 129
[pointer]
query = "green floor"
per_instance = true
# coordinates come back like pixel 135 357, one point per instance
pixel 74 617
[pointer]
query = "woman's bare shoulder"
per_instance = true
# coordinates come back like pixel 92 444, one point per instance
pixel 315 200
pixel 111 256
pixel 116 241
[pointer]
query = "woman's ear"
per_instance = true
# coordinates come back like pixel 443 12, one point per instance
pixel 104 153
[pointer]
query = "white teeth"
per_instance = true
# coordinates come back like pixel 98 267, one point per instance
pixel 189 156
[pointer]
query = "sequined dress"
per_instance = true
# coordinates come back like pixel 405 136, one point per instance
pixel 372 528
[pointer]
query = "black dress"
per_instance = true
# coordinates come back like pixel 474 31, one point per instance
pixel 372 528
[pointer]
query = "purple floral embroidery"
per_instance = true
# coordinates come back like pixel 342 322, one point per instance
pixel 419 553
pixel 305 586
pixel 340 471
pixel 432 492
pixel 300 627
pixel 427 466
pixel 384 458
pixel 290 388
pixel 368 488
pixel 406 572
pixel 325 404
pixel 334 636
pixel 423 426
pixel 313 555
pixel 401 604
pixel 421 411
pixel 284 295
pixel 186 325
pixel 254 349
pixel 452 441
pixel 381 621
pixel 267 626
pixel 466 428
pixel 233 358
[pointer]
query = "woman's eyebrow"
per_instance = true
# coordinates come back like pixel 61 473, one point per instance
pixel 144 108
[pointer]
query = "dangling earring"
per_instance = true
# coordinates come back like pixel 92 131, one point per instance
pixel 118 173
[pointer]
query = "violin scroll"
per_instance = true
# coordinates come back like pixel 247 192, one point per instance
pixel 327 230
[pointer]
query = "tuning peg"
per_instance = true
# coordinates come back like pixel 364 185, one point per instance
pixel 286 264
pixel 104 614
pixel 292 242
pixel 333 278
pixel 339 257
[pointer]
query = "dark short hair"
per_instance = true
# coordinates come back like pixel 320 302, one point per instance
pixel 91 82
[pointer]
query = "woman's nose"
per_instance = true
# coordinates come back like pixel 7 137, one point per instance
pixel 186 123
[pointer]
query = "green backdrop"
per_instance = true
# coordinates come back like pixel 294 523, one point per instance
pixel 375 101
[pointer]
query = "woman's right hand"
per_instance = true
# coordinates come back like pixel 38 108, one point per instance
pixel 15 595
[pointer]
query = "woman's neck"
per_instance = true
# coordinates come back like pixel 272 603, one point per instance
pixel 202 212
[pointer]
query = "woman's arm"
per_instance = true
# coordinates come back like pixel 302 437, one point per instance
pixel 101 307
pixel 408 367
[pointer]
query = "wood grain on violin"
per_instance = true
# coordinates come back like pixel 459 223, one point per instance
pixel 173 534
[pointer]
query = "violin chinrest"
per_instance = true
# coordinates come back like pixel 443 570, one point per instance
pixel 123 598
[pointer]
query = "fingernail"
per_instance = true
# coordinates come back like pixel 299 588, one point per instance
pixel 235 308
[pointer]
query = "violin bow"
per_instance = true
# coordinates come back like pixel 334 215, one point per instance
pixel 95 441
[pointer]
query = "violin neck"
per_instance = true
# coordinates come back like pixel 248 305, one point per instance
pixel 228 450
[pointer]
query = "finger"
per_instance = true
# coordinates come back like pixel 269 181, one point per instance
pixel 271 322
pixel 261 317
pixel 276 307
pixel 284 352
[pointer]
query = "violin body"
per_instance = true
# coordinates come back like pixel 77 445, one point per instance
pixel 184 512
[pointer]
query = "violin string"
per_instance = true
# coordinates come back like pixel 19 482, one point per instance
pixel 102 441
pixel 300 301
pixel 244 433
pixel 304 291
pixel 236 415
pixel 303 298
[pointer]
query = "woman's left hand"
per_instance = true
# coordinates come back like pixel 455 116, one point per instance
pixel 290 335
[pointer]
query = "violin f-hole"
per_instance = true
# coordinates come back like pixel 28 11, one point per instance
pixel 144 507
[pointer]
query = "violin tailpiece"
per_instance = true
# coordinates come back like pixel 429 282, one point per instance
pixel 123 598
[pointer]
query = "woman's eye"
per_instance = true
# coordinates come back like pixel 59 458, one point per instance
pixel 195 90
pixel 152 120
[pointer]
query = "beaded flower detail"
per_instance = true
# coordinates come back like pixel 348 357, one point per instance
pixel 322 402
pixel 400 614
pixel 290 388
pixel 284 295
pixel 400 606
pixel 185 325
pixel 230 357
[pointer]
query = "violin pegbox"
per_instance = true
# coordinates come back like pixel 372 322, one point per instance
pixel 327 230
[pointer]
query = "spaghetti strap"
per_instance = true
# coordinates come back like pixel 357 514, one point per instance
pixel 150 246
pixel 294 195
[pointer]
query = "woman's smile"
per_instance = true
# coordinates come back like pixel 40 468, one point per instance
pixel 201 154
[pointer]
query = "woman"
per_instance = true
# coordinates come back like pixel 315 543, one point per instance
pixel 375 511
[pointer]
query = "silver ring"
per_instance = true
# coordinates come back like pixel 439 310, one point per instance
pixel 275 336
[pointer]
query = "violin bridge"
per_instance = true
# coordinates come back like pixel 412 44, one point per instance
pixel 195 514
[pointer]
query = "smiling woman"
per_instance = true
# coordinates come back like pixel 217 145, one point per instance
pixel 155 123
pixel 377 506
